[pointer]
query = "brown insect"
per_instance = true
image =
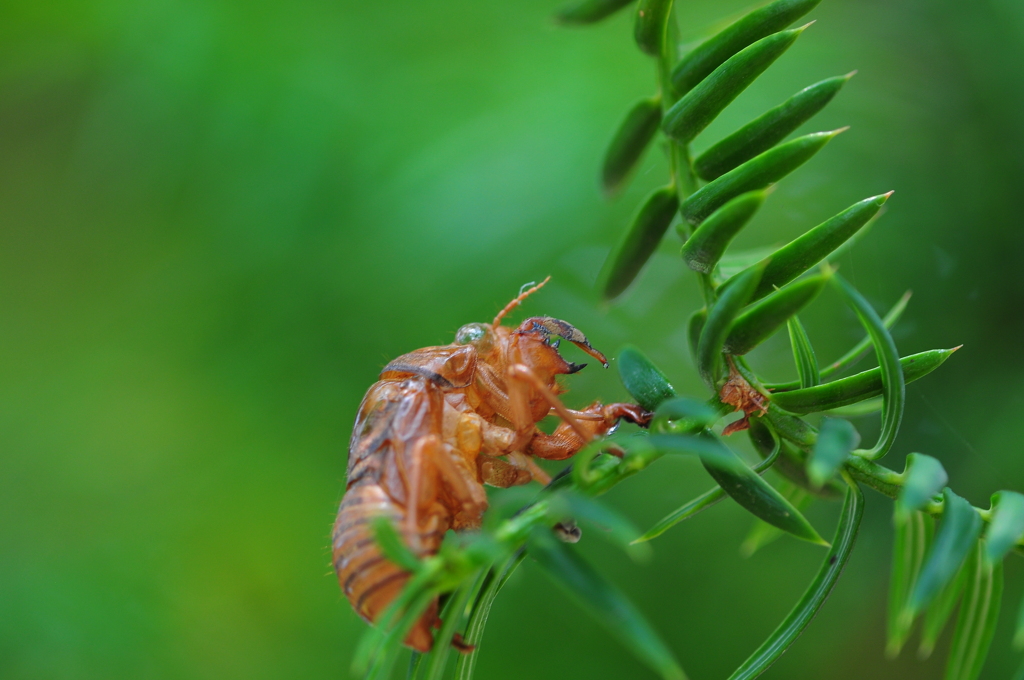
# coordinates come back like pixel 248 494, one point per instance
pixel 737 392
pixel 439 424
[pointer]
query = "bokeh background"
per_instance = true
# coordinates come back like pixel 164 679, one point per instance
pixel 220 219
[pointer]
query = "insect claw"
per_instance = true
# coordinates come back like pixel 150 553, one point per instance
pixel 575 368
pixel 460 644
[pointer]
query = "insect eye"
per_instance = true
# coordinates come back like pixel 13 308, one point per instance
pixel 471 334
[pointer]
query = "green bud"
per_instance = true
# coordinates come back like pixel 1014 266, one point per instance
pixel 709 55
pixel 630 141
pixel 708 243
pixel 857 387
pixel 923 478
pixel 754 175
pixel 836 439
pixel 589 11
pixel 652 25
pixel 768 130
pixel 762 320
pixel 638 244
pixel 701 105
pixel 1007 525
pixel 643 380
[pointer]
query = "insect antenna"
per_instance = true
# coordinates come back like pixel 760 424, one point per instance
pixel 523 294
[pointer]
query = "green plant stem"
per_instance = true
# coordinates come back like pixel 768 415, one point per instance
pixel 885 481
pixel 680 163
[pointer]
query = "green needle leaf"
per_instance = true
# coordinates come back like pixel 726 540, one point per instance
pixel 719 321
pixel 939 612
pixel 799 255
pixel 631 139
pixel 758 497
pixel 754 175
pixel 1018 634
pixel 592 592
pixel 392 545
pixel 858 387
pixel 836 439
pixel 709 55
pixel 923 478
pixel 589 11
pixel 769 129
pixel 437 659
pixel 652 25
pixel 855 354
pixel 957 534
pixel 708 243
pixel 913 538
pixel 976 623
pixel 376 650
pixel 702 502
pixel 642 379
pixel 481 610
pixel 759 322
pixel 816 594
pixel 1006 527
pixel 687 415
pixel 707 448
pixel 701 105
pixel 803 353
pixel 638 244
pixel 613 525
pixel 694 327
pixel 894 388
pixel 762 533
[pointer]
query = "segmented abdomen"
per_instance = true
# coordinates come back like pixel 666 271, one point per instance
pixel 370 581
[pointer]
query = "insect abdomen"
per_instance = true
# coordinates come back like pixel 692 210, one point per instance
pixel 369 580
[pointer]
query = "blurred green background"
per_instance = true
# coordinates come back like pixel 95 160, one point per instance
pixel 219 220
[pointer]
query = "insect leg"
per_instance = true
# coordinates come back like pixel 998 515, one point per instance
pixel 521 378
pixel 564 442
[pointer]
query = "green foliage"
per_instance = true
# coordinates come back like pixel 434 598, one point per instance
pixel 690 115
pixel 923 478
pixel 589 11
pixel 643 380
pixel 629 143
pixel 803 354
pixel 706 246
pixel 748 296
pixel 913 536
pixel 816 594
pixel 763 319
pixel 698 64
pixel 837 438
pixel 754 175
pixel 608 605
pixel 719 322
pixel 859 387
pixel 638 244
pixel 958 531
pixel 767 130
